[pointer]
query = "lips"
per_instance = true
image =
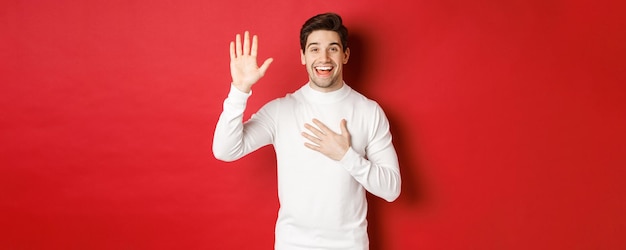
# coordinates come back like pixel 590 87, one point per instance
pixel 323 70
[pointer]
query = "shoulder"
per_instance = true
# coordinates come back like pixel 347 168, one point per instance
pixel 287 100
pixel 363 101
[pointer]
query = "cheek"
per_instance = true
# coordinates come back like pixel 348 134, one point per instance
pixel 340 60
pixel 343 59
pixel 306 61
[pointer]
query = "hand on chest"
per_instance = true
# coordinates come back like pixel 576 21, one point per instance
pixel 321 127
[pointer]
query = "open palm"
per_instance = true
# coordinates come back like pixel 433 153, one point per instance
pixel 243 64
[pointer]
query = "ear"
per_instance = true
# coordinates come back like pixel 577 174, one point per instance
pixel 346 56
pixel 302 57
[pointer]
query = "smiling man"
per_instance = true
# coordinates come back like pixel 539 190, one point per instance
pixel 332 144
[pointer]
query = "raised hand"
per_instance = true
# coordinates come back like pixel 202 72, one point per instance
pixel 326 141
pixel 243 65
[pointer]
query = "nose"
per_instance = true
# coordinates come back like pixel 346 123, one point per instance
pixel 324 56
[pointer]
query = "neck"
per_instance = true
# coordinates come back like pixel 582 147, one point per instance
pixel 326 97
pixel 326 89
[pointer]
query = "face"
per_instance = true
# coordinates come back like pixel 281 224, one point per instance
pixel 324 58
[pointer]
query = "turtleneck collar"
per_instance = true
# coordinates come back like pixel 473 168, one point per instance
pixel 315 96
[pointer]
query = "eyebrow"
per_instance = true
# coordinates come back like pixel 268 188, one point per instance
pixel 331 44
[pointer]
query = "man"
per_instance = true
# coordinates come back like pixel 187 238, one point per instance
pixel 331 142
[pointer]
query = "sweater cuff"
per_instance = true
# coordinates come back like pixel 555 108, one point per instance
pixel 237 94
pixel 350 160
pixel 236 99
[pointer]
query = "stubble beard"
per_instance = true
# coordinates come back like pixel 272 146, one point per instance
pixel 325 84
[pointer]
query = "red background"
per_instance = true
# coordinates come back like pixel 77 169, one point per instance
pixel 508 117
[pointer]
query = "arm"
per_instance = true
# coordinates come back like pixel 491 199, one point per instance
pixel 378 172
pixel 232 138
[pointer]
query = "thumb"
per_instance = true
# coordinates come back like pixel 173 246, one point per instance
pixel 265 65
pixel 344 128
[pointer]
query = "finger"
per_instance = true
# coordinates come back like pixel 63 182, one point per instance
pixel 314 130
pixel 322 126
pixel 311 146
pixel 238 44
pixel 246 43
pixel 232 51
pixel 255 45
pixel 265 65
pixel 311 138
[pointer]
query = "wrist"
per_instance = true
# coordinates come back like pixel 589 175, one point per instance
pixel 242 87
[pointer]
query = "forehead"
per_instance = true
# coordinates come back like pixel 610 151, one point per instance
pixel 323 37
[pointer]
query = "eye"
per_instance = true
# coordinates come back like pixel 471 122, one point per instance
pixel 334 49
pixel 313 49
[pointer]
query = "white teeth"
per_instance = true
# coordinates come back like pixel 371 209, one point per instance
pixel 323 68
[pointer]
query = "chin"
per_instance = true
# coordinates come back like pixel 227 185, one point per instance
pixel 325 85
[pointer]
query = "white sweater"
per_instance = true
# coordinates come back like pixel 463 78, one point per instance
pixel 322 201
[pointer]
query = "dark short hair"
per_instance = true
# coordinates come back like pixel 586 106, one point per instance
pixel 326 21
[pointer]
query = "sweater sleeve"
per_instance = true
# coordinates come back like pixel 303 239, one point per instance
pixel 378 171
pixel 233 138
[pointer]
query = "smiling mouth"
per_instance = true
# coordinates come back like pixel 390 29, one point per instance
pixel 323 70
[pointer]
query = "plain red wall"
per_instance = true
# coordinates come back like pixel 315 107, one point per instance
pixel 508 117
